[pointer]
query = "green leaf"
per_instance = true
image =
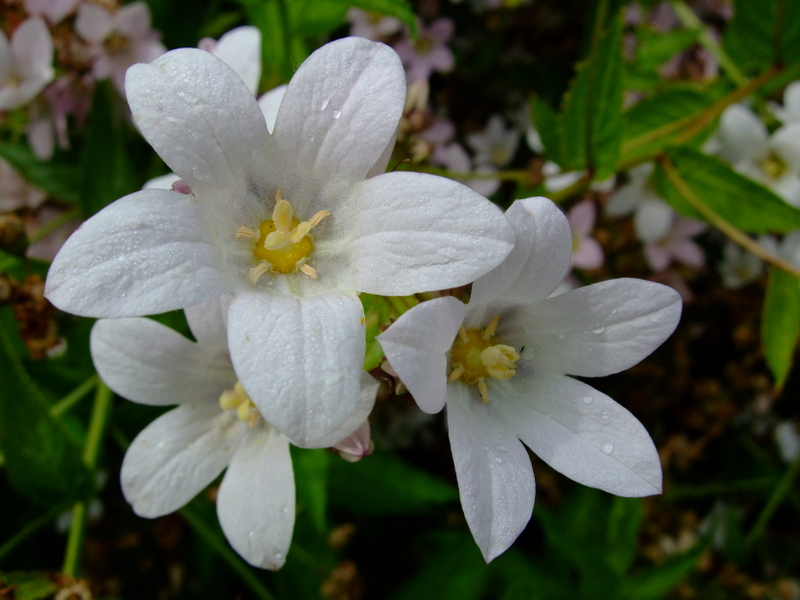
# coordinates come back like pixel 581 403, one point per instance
pixel 400 9
pixel 382 484
pixel 647 124
pixel 592 114
pixel 311 479
pixel 763 33
pixel 58 176
pixel 107 169
pixel 27 586
pixel 654 583
pixel 43 462
pixel 739 200
pixel 656 48
pixel 310 18
pixel 548 124
pixel 622 533
pixel 780 323
pixel 272 19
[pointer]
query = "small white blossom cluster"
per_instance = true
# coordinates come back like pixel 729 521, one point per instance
pixel 280 213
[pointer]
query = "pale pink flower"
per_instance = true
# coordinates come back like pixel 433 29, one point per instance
pixel 118 39
pixel 371 25
pixel 676 245
pixel 25 63
pixel 54 10
pixel 240 48
pixel 15 192
pixel 429 52
pixel 47 118
pixel 496 145
pixel 586 251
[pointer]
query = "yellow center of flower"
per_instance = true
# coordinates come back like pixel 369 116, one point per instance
pixel 476 355
pixel 238 400
pixel 116 42
pixel 424 45
pixel 284 243
pixel 773 166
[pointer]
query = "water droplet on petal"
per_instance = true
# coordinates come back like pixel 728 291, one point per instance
pixel 491 466
pixel 608 447
pixel 199 173
pixel 613 312
pixel 588 399
pixel 278 555
pixel 337 113
pixel 606 414
pixel 498 460
pixel 562 336
pixel 501 448
pixel 324 104
pixel 600 329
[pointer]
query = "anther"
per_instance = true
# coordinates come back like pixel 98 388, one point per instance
pixel 489 331
pixel 456 373
pixel 462 333
pixel 255 273
pixel 484 392
pixel 317 218
pixel 245 232
pixel 309 270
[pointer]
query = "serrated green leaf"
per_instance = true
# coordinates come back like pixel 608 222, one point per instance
pixel 27 585
pixel 763 33
pixel 548 124
pixel 58 176
pixel 107 169
pixel 311 481
pixel 656 48
pixel 43 462
pixel 382 484
pixel 780 323
pixel 739 200
pixel 400 9
pixel 592 114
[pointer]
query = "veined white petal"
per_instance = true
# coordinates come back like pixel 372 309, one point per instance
pixel 150 363
pixel 270 103
pixel 495 478
pixel 256 499
pixel 341 108
pixel 581 433
pixel 540 258
pixel 240 48
pixel 416 345
pixel 366 400
pixel 208 320
pixel 146 253
pixel 178 455
pixel 596 330
pixel 426 233
pixel 300 359
pixel 163 182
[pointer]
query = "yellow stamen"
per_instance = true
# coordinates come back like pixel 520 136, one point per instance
pixel 317 218
pixel 309 270
pixel 255 273
pixel 456 373
pixel 462 333
pixel 237 400
pixel 490 328
pixel 484 392
pixel 245 232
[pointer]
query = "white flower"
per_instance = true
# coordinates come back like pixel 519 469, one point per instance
pixel 772 160
pixel 497 145
pixel 240 48
pixel 54 10
pixel 652 217
pixel 295 324
pixel 118 39
pixel 790 111
pixel 372 25
pixel 15 192
pixel 455 159
pixel 214 427
pixel 25 63
pixel 739 267
pixel 499 364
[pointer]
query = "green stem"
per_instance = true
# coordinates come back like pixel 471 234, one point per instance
pixel 53 224
pixel 733 232
pixel 776 498
pixel 719 488
pixel 94 438
pixel 29 529
pixel 224 551
pixel 708 41
pixel 75 396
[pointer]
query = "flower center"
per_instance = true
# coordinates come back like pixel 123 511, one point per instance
pixel 284 244
pixel 476 355
pixel 116 42
pixel 499 156
pixel 773 166
pixel 238 400
pixel 424 45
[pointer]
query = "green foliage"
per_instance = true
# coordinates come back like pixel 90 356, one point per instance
pixel 385 485
pixel 27 586
pixel 780 324
pixel 764 33
pixel 653 49
pixel 44 464
pixel 737 199
pixel 311 483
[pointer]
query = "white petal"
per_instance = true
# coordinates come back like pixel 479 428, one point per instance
pixel 342 107
pixel 596 330
pixel 164 182
pixel 270 103
pixel 562 181
pixel 625 200
pixel 204 122
pixel 300 359
pixel 6 62
pixel 653 220
pixel 366 400
pixel 788 188
pixel 495 478
pixel 582 433
pixel 742 134
pixel 149 252
pixel 416 345
pixel 33 51
pixel 178 455
pixel 539 261
pixel 791 101
pixel 209 320
pixel 256 499
pixel 240 48
pixel 93 23
pixel 786 143
pixel 150 363
pixel 424 233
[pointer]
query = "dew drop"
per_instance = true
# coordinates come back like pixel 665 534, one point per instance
pixel 600 329
pixel 561 336
pixel 324 104
pixel 613 312
pixel 606 414
pixel 278 556
pixel 498 460
pixel 501 448
pixel 337 113
pixel 199 173
pixel 491 466
pixel 588 399
pixel 608 448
